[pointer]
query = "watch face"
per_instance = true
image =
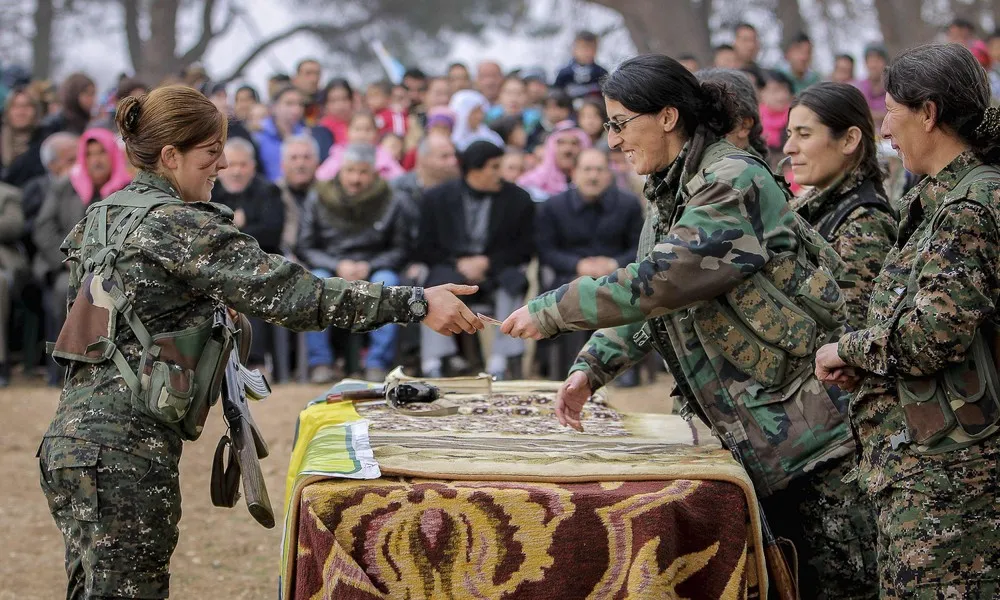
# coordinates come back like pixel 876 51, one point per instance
pixel 419 308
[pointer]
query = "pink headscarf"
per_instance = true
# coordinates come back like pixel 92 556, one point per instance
pixel 385 164
pixel 78 176
pixel 547 177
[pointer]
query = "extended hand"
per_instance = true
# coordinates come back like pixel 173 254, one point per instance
pixel 521 325
pixel 572 395
pixel 446 314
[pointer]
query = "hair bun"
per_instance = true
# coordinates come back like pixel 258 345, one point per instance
pixel 127 116
pixel 989 127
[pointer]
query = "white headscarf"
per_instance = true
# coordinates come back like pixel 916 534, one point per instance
pixel 463 102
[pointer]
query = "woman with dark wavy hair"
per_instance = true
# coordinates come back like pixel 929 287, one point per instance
pixel 926 410
pixel 720 252
pixel 831 147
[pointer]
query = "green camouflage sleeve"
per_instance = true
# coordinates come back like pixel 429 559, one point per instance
pixel 713 246
pixel 957 287
pixel 609 353
pixel 230 267
pixel 863 242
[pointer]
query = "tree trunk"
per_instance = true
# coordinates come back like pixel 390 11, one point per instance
pixel 674 28
pixel 792 23
pixel 41 43
pixel 159 52
pixel 901 24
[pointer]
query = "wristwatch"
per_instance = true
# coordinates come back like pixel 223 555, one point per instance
pixel 418 304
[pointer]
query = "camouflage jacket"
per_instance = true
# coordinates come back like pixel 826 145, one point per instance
pixel 862 238
pixel 949 245
pixel 715 219
pixel 176 267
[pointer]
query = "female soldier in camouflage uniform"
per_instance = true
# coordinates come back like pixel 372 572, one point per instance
pixel 926 409
pixel 161 261
pixel 720 291
pixel 831 144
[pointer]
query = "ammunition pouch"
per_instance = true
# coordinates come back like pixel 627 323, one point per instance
pixel 957 407
pixel 770 325
pixel 183 373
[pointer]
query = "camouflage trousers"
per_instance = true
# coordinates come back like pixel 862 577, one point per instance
pixel 940 533
pixel 832 525
pixel 118 514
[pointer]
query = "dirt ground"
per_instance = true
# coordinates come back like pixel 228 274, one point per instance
pixel 223 553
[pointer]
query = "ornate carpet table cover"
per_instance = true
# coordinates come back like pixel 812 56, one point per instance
pixel 498 502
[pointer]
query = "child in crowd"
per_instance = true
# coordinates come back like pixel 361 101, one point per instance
pixel 775 98
pixel 558 107
pixel 591 118
pixel 582 76
pixel 378 99
pixel 393 146
pixel 512 165
pixel 511 130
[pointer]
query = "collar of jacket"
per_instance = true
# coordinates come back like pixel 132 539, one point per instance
pixel 923 199
pixel 368 205
pixel 157 182
pixel 817 202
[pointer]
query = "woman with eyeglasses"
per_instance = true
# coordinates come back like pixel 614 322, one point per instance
pixel 736 292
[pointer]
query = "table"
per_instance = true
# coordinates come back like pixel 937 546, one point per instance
pixel 462 512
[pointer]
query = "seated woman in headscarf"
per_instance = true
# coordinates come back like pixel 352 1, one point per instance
pixel 100 170
pixel 470 109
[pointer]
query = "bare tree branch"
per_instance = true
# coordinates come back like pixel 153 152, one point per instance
pixel 207 33
pixel 321 30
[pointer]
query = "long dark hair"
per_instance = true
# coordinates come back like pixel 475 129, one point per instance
pixel 949 76
pixel 648 83
pixel 841 106
pixel 745 97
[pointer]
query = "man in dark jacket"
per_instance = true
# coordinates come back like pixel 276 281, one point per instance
pixel 257 212
pixel 477 230
pixel 256 202
pixel 587 231
pixel 353 228
pixel 590 229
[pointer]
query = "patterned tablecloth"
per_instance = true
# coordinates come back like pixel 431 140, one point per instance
pixel 497 501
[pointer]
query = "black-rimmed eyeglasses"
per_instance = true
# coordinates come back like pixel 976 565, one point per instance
pixel 617 126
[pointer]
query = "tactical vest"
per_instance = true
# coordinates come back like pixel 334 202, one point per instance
pixel 768 328
pixel 831 221
pixel 959 406
pixel 181 372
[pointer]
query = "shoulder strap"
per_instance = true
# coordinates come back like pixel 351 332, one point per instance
pixel 835 219
pixel 961 190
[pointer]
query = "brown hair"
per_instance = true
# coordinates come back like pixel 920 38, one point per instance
pixel 174 115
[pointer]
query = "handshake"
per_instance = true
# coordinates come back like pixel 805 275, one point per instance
pixel 448 315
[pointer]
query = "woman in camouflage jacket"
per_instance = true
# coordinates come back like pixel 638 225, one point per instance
pixel 926 408
pixel 718 255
